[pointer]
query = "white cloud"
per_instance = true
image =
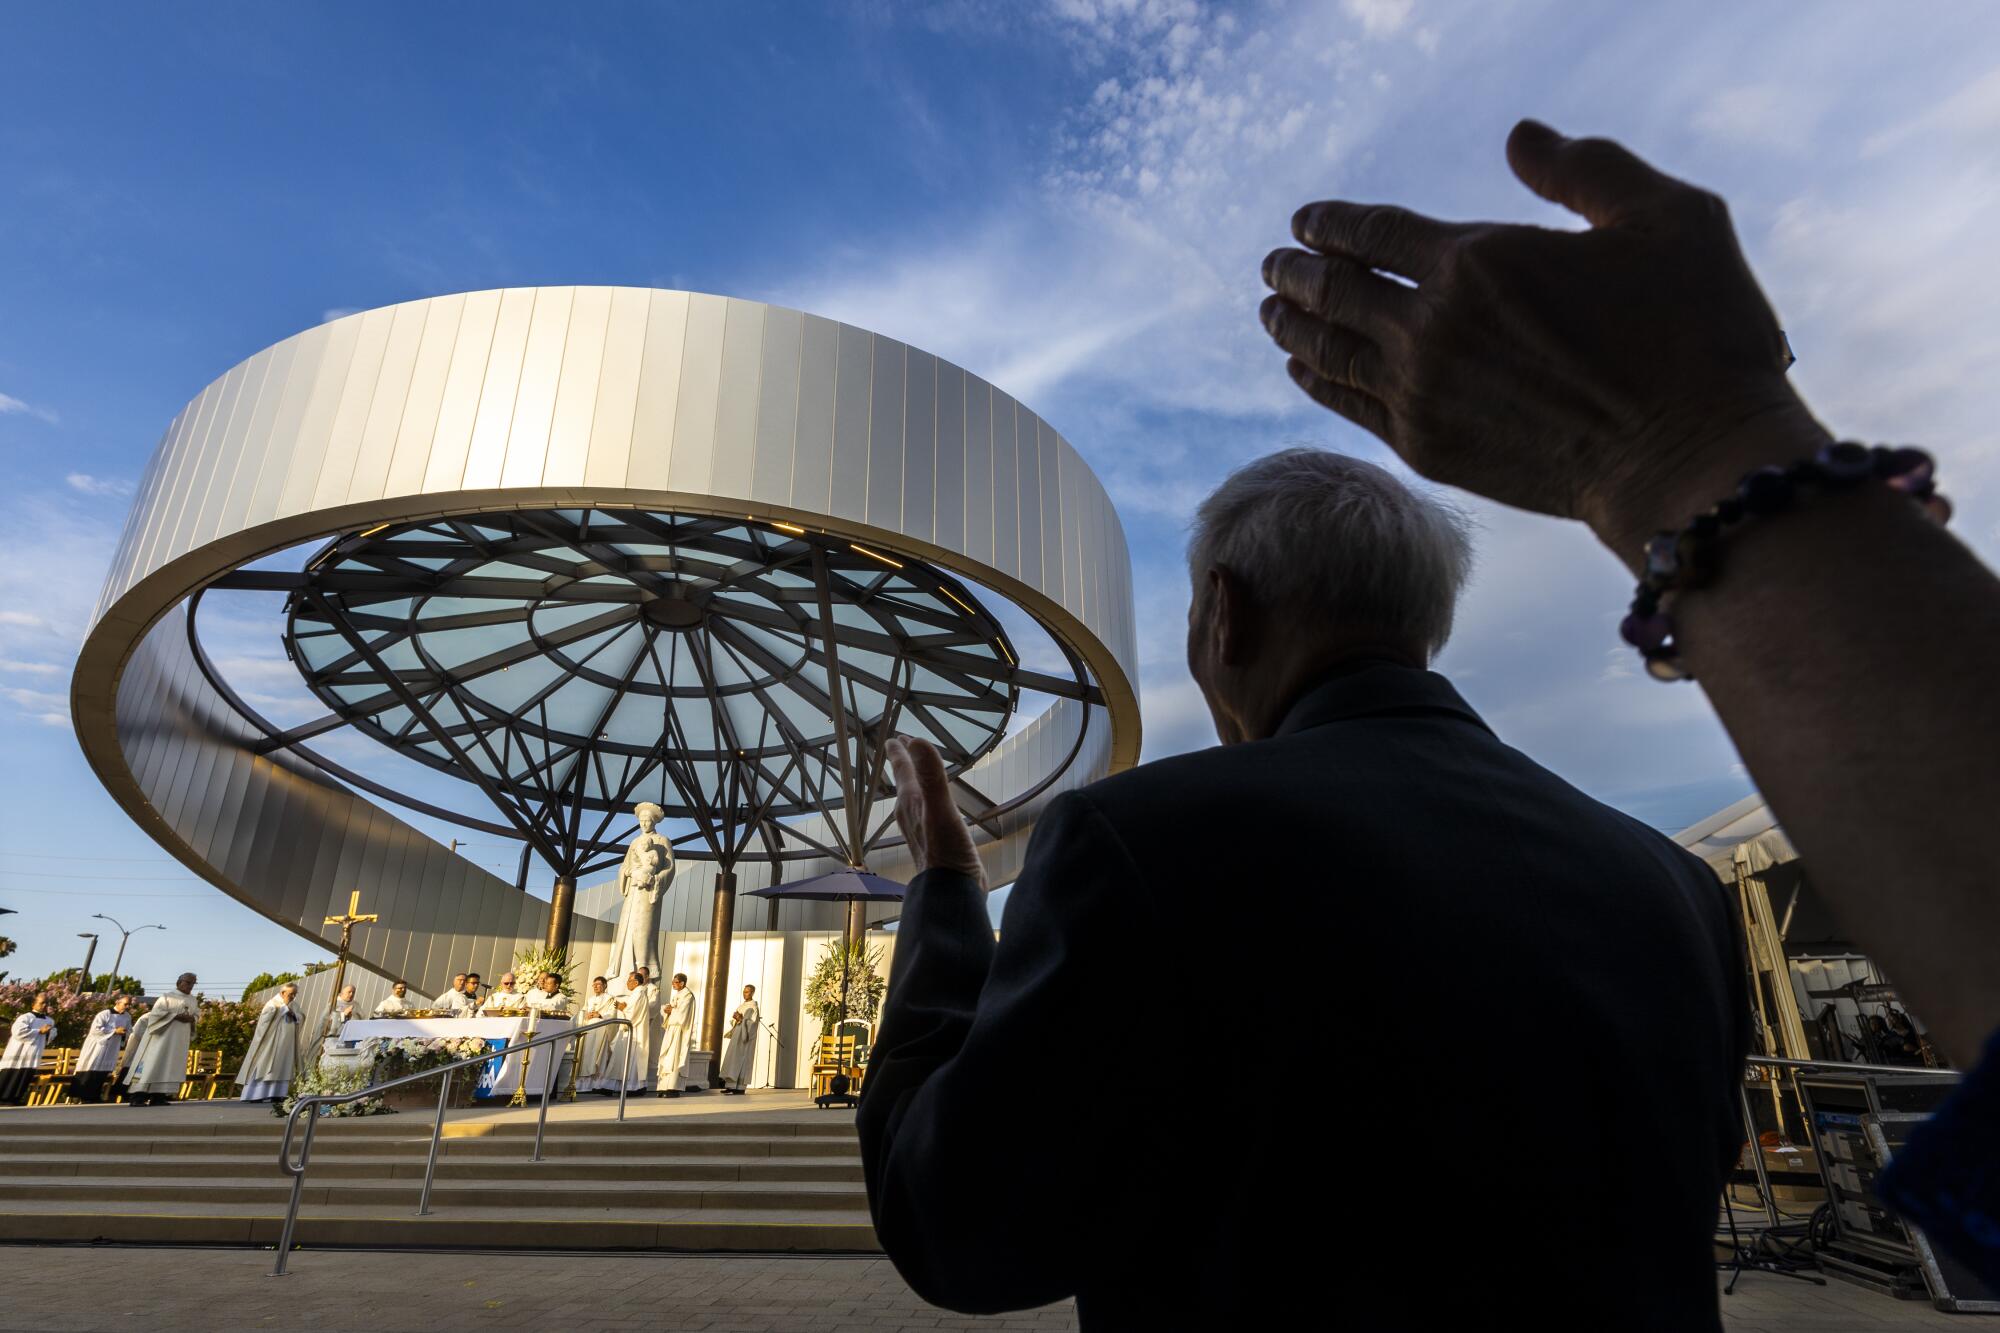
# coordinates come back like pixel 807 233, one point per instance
pixel 43 706
pixel 1380 18
pixel 100 486
pixel 14 666
pixel 12 406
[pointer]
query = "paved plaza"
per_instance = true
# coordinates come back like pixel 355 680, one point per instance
pixel 83 1289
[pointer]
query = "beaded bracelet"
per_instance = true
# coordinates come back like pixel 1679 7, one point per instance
pixel 1684 560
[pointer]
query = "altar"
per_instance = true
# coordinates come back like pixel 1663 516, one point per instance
pixel 499 1077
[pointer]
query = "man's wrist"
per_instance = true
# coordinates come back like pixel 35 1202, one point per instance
pixel 1712 459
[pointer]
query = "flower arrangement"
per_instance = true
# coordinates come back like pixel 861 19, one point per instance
pixel 320 1081
pixel 865 985
pixel 532 962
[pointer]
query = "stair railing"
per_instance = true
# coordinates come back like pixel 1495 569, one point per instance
pixel 309 1106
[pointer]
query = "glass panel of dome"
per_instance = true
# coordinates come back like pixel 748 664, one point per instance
pixel 507 569
pixel 453 648
pixel 319 649
pixel 399 656
pixel 427 561
pixel 576 706
pixel 393 720
pixel 510 688
pixel 439 608
pixel 549 616
pixel 639 719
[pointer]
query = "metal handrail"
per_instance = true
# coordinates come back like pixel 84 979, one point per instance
pixel 1841 1066
pixel 316 1100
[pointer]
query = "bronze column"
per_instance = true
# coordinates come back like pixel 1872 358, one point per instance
pixel 720 925
pixel 562 910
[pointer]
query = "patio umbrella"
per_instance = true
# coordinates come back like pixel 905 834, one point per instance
pixel 840 886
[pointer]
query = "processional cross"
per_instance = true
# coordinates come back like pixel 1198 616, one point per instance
pixel 347 922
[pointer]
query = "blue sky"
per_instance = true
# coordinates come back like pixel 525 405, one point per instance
pixel 1069 197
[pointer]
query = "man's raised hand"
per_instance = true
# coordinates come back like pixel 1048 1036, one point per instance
pixel 929 818
pixel 1625 375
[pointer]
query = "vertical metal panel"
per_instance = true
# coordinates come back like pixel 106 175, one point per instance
pixel 819 361
pixel 257 456
pixel 884 475
pixel 576 392
pixel 213 469
pixel 949 484
pixel 423 403
pixel 487 454
pixel 736 399
pixel 535 400
pixel 392 394
pixel 919 445
pixel 612 436
pixel 694 410
pixel 350 416
pixel 316 418
pixel 777 406
pixel 852 380
pixel 1028 465
pixel 167 505
pixel 1048 450
pixel 1006 510
pixel 659 390
pixel 309 367
pixel 464 382
pixel 979 397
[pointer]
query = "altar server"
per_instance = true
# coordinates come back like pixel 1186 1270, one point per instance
pixel 101 1048
pixel 159 1046
pixel 635 1002
pixel 597 1006
pixel 739 1052
pixel 394 1004
pixel 679 1013
pixel 21 1065
pixel 273 1057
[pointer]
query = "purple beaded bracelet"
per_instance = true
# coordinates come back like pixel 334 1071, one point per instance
pixel 1684 560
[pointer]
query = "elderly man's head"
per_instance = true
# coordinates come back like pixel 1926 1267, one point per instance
pixel 1307 559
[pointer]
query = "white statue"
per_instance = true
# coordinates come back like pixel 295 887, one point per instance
pixel 645 875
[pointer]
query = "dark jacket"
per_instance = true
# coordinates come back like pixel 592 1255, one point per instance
pixel 1147 1095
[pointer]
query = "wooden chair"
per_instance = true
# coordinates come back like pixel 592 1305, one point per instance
pixel 202 1068
pixel 837 1055
pixel 58 1072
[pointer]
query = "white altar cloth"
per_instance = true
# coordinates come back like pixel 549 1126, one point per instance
pixel 500 1076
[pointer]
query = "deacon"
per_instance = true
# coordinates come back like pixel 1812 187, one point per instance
pixel 597 1007
pixel 158 1048
pixel 101 1047
pixel 394 1004
pixel 504 996
pixel 679 1013
pixel 547 998
pixel 635 1044
pixel 21 1065
pixel 273 1057
pixel 454 1002
pixel 739 1055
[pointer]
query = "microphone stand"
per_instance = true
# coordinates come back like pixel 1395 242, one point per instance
pixel 771 1070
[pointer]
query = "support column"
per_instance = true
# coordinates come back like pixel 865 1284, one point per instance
pixel 856 930
pixel 721 926
pixel 562 911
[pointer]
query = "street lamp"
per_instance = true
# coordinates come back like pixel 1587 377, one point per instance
pixel 90 952
pixel 127 934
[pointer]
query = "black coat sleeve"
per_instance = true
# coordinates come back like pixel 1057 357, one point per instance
pixel 988 1153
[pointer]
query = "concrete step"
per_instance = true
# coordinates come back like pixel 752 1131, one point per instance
pixel 494 1199
pixel 453 1165
pixel 448 1227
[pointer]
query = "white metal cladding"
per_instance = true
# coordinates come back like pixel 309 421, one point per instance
pixel 563 396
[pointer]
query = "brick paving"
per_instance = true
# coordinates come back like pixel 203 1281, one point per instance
pixel 87 1289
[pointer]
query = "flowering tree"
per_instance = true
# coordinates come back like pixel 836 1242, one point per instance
pixel 71 1010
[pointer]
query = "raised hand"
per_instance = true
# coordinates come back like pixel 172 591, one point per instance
pixel 928 817
pixel 1625 375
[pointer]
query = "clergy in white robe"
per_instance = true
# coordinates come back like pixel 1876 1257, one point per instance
pixel 21 1063
pixel 595 1046
pixel 455 1003
pixel 395 1004
pixel 273 1058
pixel 639 1044
pixel 159 1045
pixel 504 996
pixel 102 1046
pixel 547 997
pixel 678 1038
pixel 739 1043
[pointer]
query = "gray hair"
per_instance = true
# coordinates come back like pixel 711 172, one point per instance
pixel 1339 541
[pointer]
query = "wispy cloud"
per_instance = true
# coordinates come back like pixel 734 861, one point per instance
pixel 98 486
pixel 12 406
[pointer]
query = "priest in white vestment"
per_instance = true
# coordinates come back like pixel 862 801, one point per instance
pixel 159 1046
pixel 101 1047
pixel 455 1003
pixel 21 1063
pixel 678 1039
pixel 395 1004
pixel 739 1050
pixel 640 1043
pixel 547 997
pixel 594 1046
pixel 273 1058
pixel 504 996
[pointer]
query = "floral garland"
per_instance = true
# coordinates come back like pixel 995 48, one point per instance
pixel 321 1082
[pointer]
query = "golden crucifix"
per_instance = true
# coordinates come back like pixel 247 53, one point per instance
pixel 353 917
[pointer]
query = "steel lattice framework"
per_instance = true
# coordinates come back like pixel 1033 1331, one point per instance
pixel 570 662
